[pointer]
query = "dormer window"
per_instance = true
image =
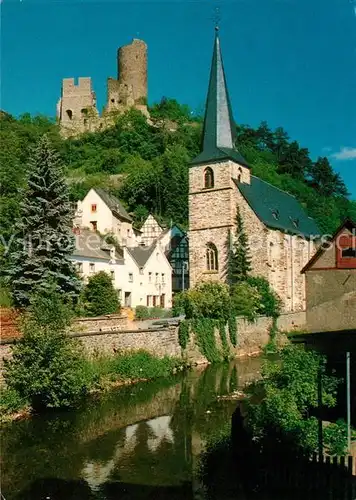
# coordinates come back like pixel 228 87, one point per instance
pixel 208 178
pixel 295 222
pixel 275 214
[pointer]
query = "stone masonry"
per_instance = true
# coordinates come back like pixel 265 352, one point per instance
pixel 77 110
pixel 277 256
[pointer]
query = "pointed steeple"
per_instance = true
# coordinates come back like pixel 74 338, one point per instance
pixel 219 132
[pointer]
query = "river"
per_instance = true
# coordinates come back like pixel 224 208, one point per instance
pixel 138 442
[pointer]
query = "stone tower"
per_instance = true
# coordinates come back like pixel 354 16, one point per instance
pixel 130 88
pixel 76 109
pixel 212 198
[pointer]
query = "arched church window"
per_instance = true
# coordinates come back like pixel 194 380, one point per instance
pixel 211 257
pixel 208 178
pixel 69 113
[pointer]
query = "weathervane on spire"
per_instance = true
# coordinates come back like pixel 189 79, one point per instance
pixel 217 18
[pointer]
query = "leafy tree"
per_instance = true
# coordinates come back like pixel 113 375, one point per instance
pixel 100 295
pixel 269 304
pixel 239 255
pixel 47 367
pixel 170 109
pixel 289 396
pixel 41 253
pixel 245 300
pixel 206 300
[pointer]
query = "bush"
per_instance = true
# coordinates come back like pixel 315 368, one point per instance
pixel 141 364
pixel 141 313
pixel 270 304
pixel 100 295
pixel 205 300
pixel 279 406
pixel 10 401
pixel 47 367
pixel 245 300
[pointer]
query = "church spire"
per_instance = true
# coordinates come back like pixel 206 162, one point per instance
pixel 219 132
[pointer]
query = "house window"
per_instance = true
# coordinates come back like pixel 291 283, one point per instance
pixel 69 114
pixel 148 301
pixel 130 278
pixel 79 267
pixel 128 233
pixel 163 278
pixel 208 178
pixel 94 225
pixel 141 270
pixel 150 277
pixel 91 268
pixel 239 177
pixel 93 208
pixel 157 274
pixel 211 257
pixel 348 252
pixel 112 274
pixel 84 112
pixel 154 300
pixel 119 294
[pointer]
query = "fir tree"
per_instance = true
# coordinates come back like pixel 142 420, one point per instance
pixel 239 264
pixel 45 242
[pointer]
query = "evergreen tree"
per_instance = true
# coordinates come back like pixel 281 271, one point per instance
pixel 41 253
pixel 100 295
pixel 239 253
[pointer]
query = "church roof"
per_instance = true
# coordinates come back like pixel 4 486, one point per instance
pixel 276 208
pixel 113 203
pixel 219 131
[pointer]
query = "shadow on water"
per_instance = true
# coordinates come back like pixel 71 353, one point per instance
pixel 139 442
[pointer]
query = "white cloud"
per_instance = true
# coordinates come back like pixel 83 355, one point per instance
pixel 345 154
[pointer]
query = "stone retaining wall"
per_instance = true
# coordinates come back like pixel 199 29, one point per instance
pixel 160 342
pixel 252 337
pixel 107 323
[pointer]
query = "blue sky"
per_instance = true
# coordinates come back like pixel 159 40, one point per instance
pixel 289 62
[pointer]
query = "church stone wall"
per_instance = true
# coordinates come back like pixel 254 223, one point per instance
pixel 277 256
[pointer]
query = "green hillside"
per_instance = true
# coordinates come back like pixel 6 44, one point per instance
pixel 146 165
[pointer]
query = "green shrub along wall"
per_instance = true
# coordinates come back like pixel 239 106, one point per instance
pixel 204 331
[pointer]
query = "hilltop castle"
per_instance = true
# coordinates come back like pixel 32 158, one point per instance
pixel 77 110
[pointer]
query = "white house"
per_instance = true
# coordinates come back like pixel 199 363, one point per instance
pixel 100 211
pixel 142 275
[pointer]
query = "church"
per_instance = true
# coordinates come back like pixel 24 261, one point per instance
pixel 282 238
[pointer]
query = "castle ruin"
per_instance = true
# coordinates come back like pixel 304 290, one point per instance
pixel 77 110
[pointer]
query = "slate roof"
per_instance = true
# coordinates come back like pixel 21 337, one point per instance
pixel 276 208
pixel 113 203
pixel 219 131
pixel 89 244
pixel 141 254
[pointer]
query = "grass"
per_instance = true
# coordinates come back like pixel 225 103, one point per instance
pixel 136 365
pixel 101 373
pixel 10 403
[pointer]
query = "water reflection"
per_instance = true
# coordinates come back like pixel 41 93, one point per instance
pixel 132 443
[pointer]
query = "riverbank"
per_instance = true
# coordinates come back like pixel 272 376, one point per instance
pixel 101 374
